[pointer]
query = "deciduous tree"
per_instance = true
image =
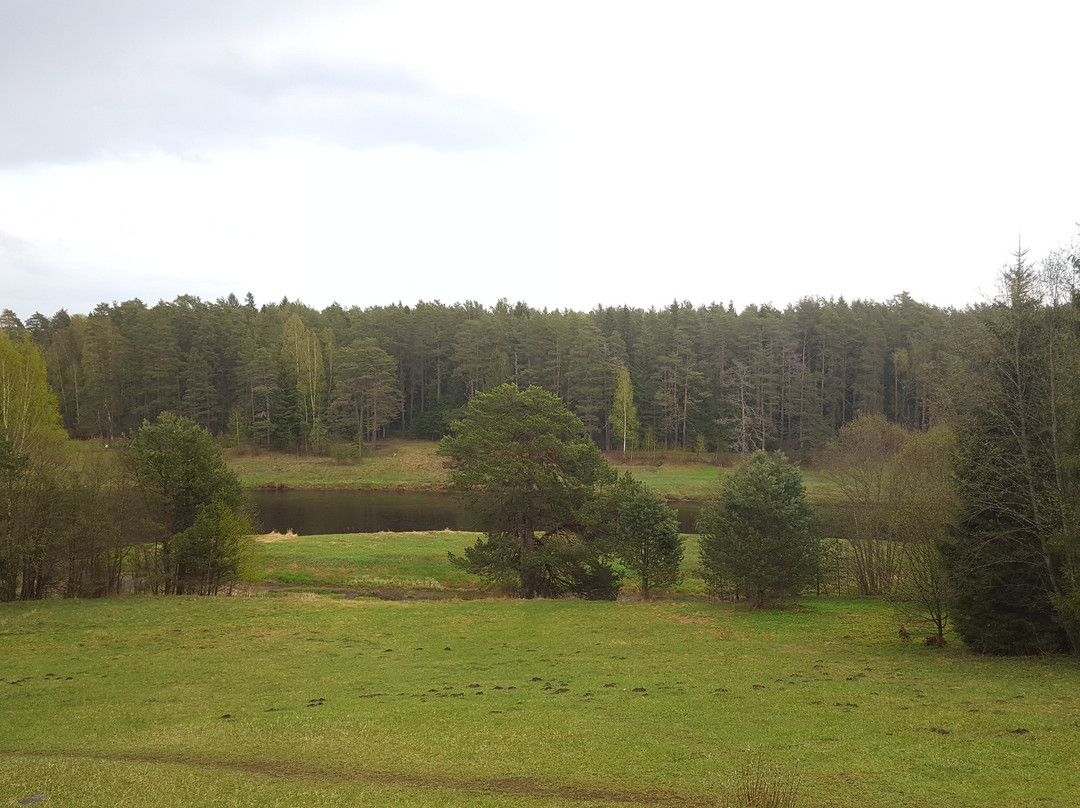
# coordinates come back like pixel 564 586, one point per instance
pixel 923 524
pixel 624 418
pixel 30 433
pixel 195 503
pixel 863 463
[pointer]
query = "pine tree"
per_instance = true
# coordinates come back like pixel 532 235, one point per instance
pixel 1014 565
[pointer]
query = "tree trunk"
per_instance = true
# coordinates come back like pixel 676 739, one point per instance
pixel 528 573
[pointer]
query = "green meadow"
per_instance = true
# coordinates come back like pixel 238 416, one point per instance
pixel 297 690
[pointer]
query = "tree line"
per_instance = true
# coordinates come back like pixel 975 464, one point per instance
pixel 975 519
pixel 953 438
pixel 161 513
pixel 979 519
pixel 700 379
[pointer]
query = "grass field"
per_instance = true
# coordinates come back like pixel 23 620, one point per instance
pixel 295 699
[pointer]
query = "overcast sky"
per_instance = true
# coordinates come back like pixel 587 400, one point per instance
pixel 566 154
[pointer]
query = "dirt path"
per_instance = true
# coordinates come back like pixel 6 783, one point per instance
pixel 527 788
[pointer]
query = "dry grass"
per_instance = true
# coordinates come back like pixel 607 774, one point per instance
pixel 273 536
pixel 396 464
pixel 761 783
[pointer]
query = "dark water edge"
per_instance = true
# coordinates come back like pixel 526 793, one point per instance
pixel 312 513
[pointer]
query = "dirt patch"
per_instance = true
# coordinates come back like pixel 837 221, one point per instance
pixel 525 787
pixel 353 592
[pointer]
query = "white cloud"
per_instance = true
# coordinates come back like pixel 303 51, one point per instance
pixel 565 154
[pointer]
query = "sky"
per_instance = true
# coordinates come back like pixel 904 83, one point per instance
pixel 565 154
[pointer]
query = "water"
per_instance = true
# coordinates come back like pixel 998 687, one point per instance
pixel 310 513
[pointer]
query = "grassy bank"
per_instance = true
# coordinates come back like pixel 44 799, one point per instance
pixel 399 464
pixel 397 566
pixel 282 701
pixel 385 565
pixel 414 465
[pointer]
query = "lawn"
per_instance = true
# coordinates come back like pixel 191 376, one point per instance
pixel 295 699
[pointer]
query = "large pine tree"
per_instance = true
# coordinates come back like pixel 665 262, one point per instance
pixel 1014 563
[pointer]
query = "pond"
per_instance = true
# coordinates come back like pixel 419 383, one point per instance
pixel 310 513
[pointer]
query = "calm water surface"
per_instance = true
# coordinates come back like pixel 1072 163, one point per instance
pixel 310 513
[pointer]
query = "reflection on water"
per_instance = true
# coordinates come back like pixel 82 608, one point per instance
pixel 310 513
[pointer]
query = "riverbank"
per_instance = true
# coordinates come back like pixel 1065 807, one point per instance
pixel 397 465
pixel 405 465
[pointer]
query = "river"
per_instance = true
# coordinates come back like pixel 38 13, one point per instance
pixel 310 513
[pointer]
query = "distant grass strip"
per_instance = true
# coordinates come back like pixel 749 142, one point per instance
pixel 701 481
pixel 415 466
pixel 399 464
pixel 287 701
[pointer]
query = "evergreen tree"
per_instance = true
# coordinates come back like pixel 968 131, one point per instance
pixel 1014 564
pixel 286 419
pixel 522 463
pixel 647 538
pixel 757 541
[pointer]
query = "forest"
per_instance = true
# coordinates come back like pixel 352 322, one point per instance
pixel 988 499
pixel 704 379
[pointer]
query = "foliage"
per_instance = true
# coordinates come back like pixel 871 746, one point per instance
pixel 366 394
pixel 623 418
pixel 521 461
pixel 194 503
pixel 897 505
pixel 101 525
pixel 31 510
pixel 757 541
pixel 863 465
pixel 647 539
pixel 924 522
pixel 29 418
pixel 702 376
